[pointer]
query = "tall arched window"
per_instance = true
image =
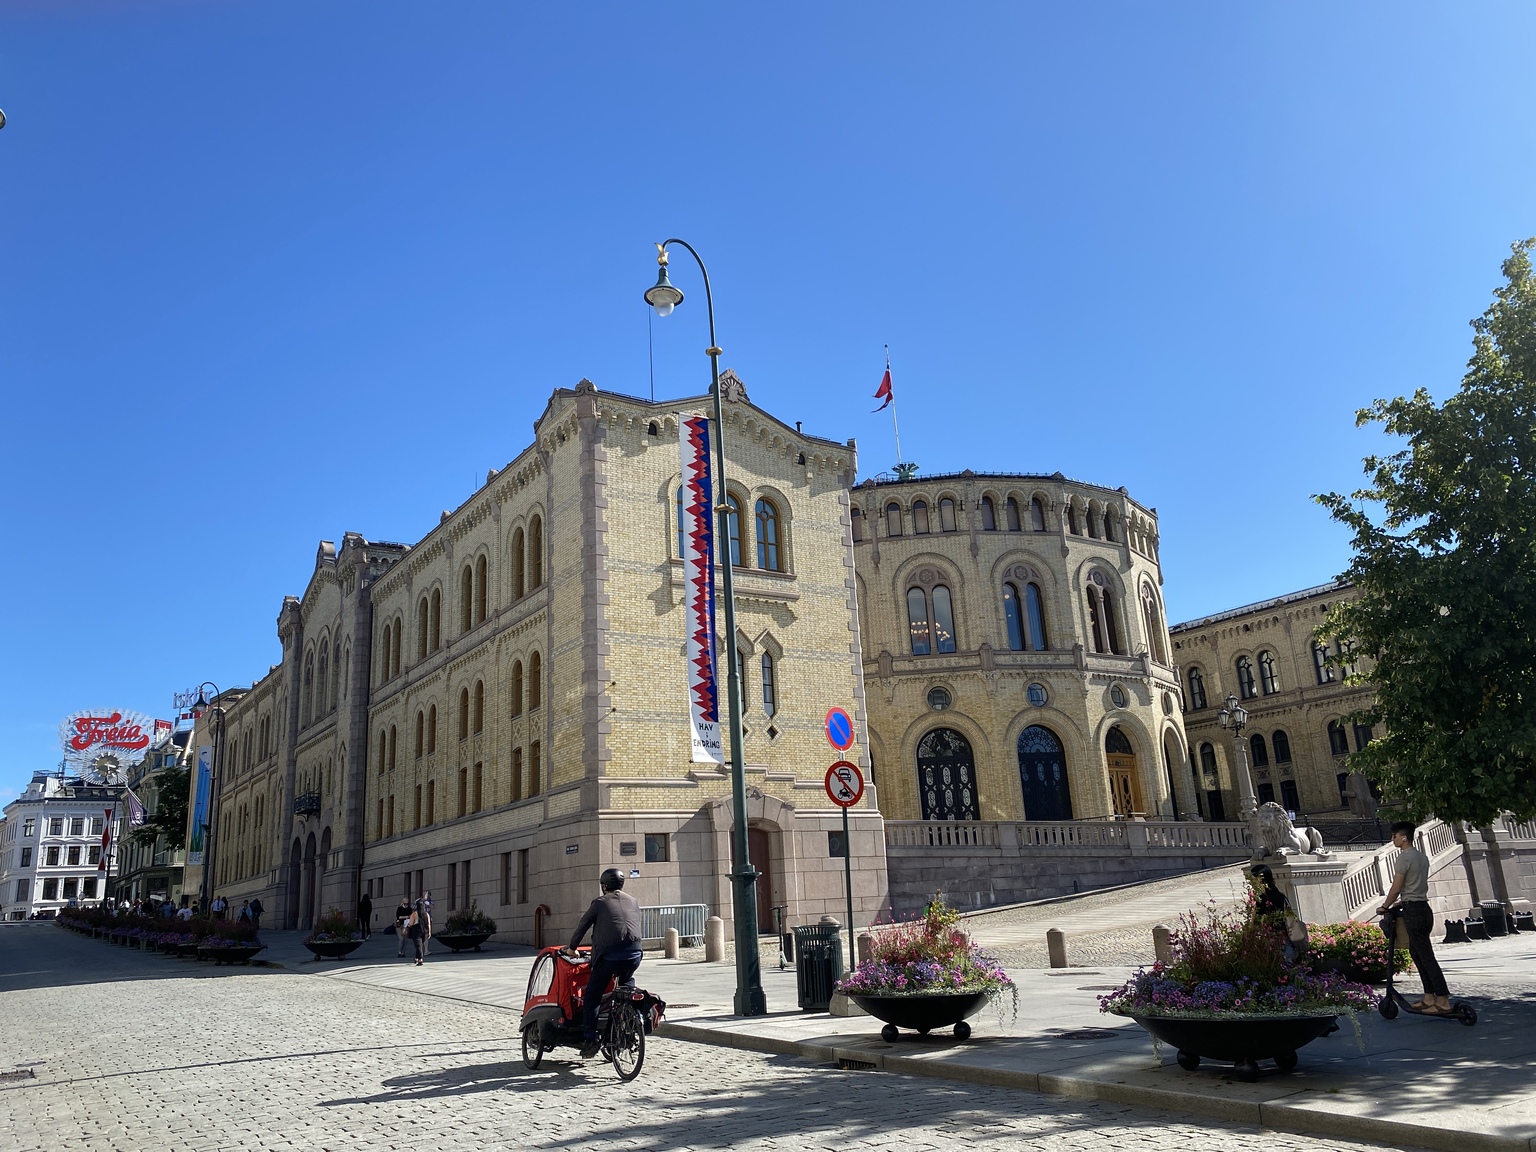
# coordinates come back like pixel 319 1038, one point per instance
pixel 1034 611
pixel 733 528
pixel 397 650
pixel 1267 678
pixel 322 680
pixel 384 643
pixel 770 677
pixel 917 622
pixel 393 746
pixel 1338 739
pixel 681 521
pixel 1093 522
pixel 423 628
pixel 481 596
pixel 768 536
pixel 1037 514
pixel 931 619
pixel 919 517
pixel 1320 664
pixel 1153 620
pixel 1245 685
pixel 1072 525
pixel 1013 616
pixel 947 520
pixel 1011 512
pixel 1111 526
pixel 856 519
pixel 893 519
pixel 421 733
pixel 1208 760
pixel 1101 615
pixel 431 729
pixel 464 714
pixel 1043 775
pixel 988 515
pixel 535 687
pixel 477 720
pixel 1282 744
pixel 535 553
pixel 309 682
pixel 1258 750
pixel 943 619
pixel 437 619
pixel 466 598
pixel 946 776
pixel 1196 690
pixel 516 690
pixel 520 566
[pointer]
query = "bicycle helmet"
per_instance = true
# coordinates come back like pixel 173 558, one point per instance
pixel 611 880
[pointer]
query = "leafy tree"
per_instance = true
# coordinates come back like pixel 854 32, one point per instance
pixel 173 787
pixel 1446 573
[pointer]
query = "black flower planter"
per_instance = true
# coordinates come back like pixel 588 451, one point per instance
pixel 923 1012
pixel 1242 1039
pixel 461 941
pixel 233 954
pixel 332 949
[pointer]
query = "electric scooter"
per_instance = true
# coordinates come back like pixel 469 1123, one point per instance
pixel 1394 1000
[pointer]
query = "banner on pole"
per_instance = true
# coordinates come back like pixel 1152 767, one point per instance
pixel 200 803
pixel 696 530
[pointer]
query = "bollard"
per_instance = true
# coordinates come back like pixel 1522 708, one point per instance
pixel 1162 944
pixel 866 944
pixel 1056 946
pixel 714 939
pixel 670 941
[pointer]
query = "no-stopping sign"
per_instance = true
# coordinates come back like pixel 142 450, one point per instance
pixel 845 784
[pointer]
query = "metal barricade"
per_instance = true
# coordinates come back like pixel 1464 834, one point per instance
pixel 688 919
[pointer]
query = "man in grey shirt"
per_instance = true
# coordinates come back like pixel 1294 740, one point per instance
pixel 614 920
pixel 1410 884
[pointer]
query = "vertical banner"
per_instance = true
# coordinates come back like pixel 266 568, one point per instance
pixel 200 803
pixel 696 527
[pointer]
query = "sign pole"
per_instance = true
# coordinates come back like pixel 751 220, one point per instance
pixel 853 956
pixel 845 787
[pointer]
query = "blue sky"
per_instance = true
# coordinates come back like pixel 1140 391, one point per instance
pixel 274 271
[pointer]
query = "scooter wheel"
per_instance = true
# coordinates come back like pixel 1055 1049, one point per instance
pixel 962 1031
pixel 1467 1015
pixel 890 1034
pixel 1388 1009
pixel 1188 1060
pixel 1286 1061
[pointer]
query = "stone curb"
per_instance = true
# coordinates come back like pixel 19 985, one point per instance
pixel 1276 1114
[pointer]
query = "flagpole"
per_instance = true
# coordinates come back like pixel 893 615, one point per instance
pixel 106 884
pixel 895 430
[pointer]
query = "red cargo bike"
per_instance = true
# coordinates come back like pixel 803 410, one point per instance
pixel 553 1007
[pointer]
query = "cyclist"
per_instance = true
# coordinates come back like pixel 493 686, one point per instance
pixel 614 920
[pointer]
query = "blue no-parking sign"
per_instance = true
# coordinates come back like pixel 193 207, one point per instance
pixel 839 729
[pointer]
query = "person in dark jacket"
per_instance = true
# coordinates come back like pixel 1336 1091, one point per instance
pixel 365 915
pixel 402 916
pixel 614 921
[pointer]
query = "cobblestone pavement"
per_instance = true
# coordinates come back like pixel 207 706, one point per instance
pixel 136 1052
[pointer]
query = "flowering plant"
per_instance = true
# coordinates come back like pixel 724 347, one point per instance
pixel 229 942
pixel 926 957
pixel 334 927
pixel 467 920
pixel 1356 944
pixel 1228 963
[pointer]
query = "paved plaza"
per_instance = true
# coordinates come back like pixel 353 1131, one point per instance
pixel 134 1051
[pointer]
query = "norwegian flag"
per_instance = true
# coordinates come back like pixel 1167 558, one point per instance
pixel 884 392
pixel 106 841
pixel 135 809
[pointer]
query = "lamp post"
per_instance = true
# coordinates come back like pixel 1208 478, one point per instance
pixel 750 1000
pixel 1235 718
pixel 199 707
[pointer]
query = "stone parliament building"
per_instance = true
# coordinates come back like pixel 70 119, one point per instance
pixel 497 711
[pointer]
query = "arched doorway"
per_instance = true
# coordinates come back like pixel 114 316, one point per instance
pixel 946 776
pixel 322 862
pixel 1043 773
pixel 1124 783
pixel 307 894
pixel 295 875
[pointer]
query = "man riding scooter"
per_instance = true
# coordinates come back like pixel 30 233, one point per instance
pixel 614 920
pixel 1410 884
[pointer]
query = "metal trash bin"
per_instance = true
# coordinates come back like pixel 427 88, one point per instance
pixel 818 963
pixel 1493 918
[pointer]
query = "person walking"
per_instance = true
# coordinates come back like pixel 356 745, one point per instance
pixel 614 919
pixel 402 926
pixel 1410 884
pixel 425 904
pixel 416 927
pixel 365 915
pixel 244 918
pixel 256 911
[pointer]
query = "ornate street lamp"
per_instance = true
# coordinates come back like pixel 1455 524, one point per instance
pixel 750 1000
pixel 1235 717
pixel 201 705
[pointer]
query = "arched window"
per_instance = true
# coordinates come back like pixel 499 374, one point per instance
pixel 946 776
pixel 1037 514
pixel 1154 623
pixel 768 536
pixel 309 680
pixel 464 714
pixel 478 718
pixel 1072 525
pixel 393 746
pixel 397 649
pixel 1338 739
pixel 856 519
pixel 1101 615
pixel 1013 616
pixel 1111 529
pixel 519 566
pixel 681 521
pixel 481 596
pixel 535 688
pixel 1320 663
pixel 1208 760
pixel 988 515
pixel 1282 744
pixel 1011 512
pixel 1258 750
pixel 322 681
pixel 516 691
pixel 421 733
pixel 1245 685
pixel 917 622
pixel 947 521
pixel 431 729
pixel 437 619
pixel 1034 608
pixel 423 628
pixel 1267 678
pixel 770 685
pixel 536 553
pixel 466 598
pixel 1093 522
pixel 893 519
pixel 384 642
pixel 1196 690
pixel 653 429
pixel 943 619
pixel 1043 775
pixel 733 528
pixel 919 517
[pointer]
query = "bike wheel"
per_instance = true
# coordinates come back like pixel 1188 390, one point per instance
pixel 626 1041
pixel 533 1051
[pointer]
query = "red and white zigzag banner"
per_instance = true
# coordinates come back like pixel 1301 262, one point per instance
pixel 696 525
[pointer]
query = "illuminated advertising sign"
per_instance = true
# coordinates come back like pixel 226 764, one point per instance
pixel 88 734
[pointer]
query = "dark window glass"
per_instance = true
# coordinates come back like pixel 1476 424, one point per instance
pixel 1196 690
pixel 1012 509
pixel 770 685
pixel 1245 685
pixel 1320 664
pixel 1208 759
pixel 733 528
pixel 893 519
pixel 768 536
pixel 943 620
pixel 1014 617
pixel 919 517
pixel 1338 740
pixel 1362 736
pixel 988 515
pixel 1260 751
pixel 656 848
pixel 917 621
pixel 1282 744
pixel 857 519
pixel 1037 514
pixel 1290 799
pixel 1267 677
pixel 1034 604
pixel 1266 792
pixel 947 522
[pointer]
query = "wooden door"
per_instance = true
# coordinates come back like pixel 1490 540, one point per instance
pixel 759 852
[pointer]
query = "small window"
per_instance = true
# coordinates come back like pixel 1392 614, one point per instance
pixel 1320 664
pixel 535 768
pixel 51 857
pixel 768 536
pixel 516 690
pixel 1245 685
pixel 1196 690
pixel 479 708
pixel 947 520
pixel 1037 695
pixel 1072 525
pixel 88 888
pixel 1037 514
pixel 536 553
pixel 522 898
pixel 1362 736
pixel 856 518
pixel 988 515
pixel 56 826
pixel 657 848
pixel 939 699
pixel 1266 793
pixel 1343 782
pixel 919 517
pixel 77 826
pixel 28 827
pixel 1034 604
pixel 1338 739
pixel 651 429
pixel 1117 696
pixel 1267 678
pixel 520 561
pixel 733 528
pixel 893 519
pixel 1208 760
pixel 464 714
pixel 431 730
pixel 535 687
pixel 72 859
pixel 50 889
pixel 1259 750
pixel 26 857
pixel 1282 746
pixel 770 678
pixel 1011 508
pixel 943 619
pixel 96 825
pixel 1013 617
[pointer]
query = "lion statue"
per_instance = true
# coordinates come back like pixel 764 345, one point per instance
pixel 1279 837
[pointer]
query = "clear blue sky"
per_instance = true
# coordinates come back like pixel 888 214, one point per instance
pixel 274 271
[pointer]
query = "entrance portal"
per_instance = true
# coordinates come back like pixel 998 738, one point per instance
pixel 1124 783
pixel 1043 774
pixel 758 849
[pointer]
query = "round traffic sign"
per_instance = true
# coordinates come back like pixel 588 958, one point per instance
pixel 839 727
pixel 845 784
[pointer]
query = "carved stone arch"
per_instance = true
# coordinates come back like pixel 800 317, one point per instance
pixel 925 570
pixel 769 643
pixel 1148 751
pixel 952 717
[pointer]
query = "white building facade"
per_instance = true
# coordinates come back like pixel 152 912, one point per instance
pixel 50 846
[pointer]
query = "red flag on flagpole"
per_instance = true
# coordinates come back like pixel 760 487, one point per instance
pixel 884 392
pixel 106 842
